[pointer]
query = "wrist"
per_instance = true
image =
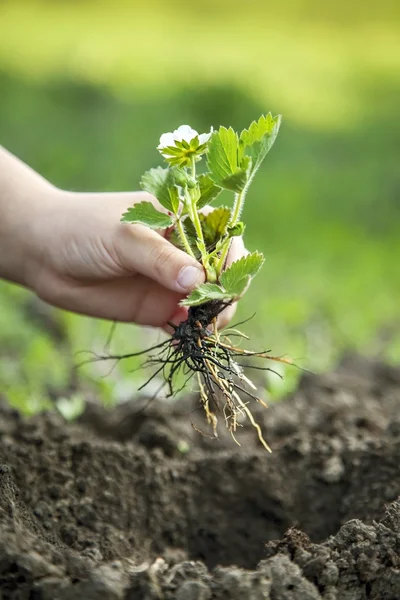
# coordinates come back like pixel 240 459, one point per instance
pixel 20 248
pixel 24 196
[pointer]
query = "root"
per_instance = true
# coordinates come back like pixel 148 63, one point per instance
pixel 253 422
pixel 196 347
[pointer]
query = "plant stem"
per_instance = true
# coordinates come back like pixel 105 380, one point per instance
pixel 193 210
pixel 193 167
pixel 238 206
pixel 197 224
pixel 224 253
pixel 236 212
pixel 184 239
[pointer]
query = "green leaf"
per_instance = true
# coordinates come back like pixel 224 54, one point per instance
pixel 236 182
pixel 240 287
pixel 214 225
pixel 223 153
pixel 160 182
pixel 208 190
pixel 226 169
pixel 205 292
pixel 236 277
pixel 257 140
pixel 145 213
pixel 265 125
pixel 180 176
pixel 237 229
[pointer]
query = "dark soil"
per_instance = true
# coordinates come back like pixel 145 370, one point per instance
pixel 112 508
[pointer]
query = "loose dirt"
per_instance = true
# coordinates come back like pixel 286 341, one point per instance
pixel 134 504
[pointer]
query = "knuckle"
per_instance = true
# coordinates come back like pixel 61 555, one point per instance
pixel 163 259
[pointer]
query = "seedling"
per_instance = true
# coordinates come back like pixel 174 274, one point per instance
pixel 196 347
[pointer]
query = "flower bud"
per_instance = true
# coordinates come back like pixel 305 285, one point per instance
pixel 191 182
pixel 180 177
pixel 236 230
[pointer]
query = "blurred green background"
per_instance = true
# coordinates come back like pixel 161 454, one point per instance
pixel 87 87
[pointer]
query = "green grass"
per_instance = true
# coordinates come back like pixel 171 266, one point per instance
pixel 86 101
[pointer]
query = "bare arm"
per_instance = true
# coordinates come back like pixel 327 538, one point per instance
pixel 22 191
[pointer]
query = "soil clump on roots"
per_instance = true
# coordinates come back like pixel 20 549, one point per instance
pixel 111 507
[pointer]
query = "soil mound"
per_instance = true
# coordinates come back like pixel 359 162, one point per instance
pixel 134 504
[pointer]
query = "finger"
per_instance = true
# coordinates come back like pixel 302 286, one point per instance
pixel 139 249
pixel 236 251
pixel 130 299
pixel 105 247
pixel 180 314
pixel 226 316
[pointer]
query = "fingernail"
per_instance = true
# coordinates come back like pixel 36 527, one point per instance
pixel 188 277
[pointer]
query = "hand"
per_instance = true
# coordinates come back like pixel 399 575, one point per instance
pixel 92 264
pixel 78 256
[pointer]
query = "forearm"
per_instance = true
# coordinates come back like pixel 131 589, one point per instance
pixel 22 194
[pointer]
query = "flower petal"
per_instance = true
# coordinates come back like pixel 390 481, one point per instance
pixel 184 132
pixel 167 139
pixel 204 137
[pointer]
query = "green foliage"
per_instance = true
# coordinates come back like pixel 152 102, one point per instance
pixel 190 233
pixel 146 214
pixel 214 225
pixel 236 230
pixel 207 236
pixel 160 182
pixel 223 160
pixel 204 293
pixel 236 182
pixel 233 281
pixel 222 157
pixel 181 154
pixel 208 190
pixel 236 277
pixel 258 139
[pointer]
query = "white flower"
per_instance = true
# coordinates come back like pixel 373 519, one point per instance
pixel 183 133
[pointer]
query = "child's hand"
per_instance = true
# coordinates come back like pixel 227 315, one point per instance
pixel 91 263
pixel 71 249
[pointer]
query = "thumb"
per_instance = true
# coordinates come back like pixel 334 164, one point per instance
pixel 145 251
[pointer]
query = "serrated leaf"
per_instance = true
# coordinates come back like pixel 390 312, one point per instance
pixel 146 214
pixel 222 155
pixel 257 140
pixel 235 278
pixel 226 169
pixel 160 182
pixel 258 129
pixel 236 182
pixel 205 292
pixel 208 190
pixel 240 287
pixel 214 225
pixel 180 176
